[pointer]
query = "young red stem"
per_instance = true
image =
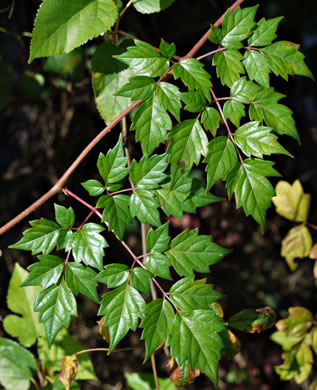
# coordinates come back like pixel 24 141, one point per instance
pixel 211 53
pixel 310 225
pixel 221 113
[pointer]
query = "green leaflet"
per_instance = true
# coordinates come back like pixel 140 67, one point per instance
pixel 191 252
pixel 20 300
pixel 215 34
pixel 55 306
pixel 189 142
pixel 195 337
pixel 158 319
pixel 149 171
pixel 257 68
pixel 146 382
pixel 237 25
pixel 122 309
pixel 140 279
pixel 264 34
pixel 114 275
pixel 252 189
pixel 60 27
pixel 116 212
pixel 65 217
pixel 143 59
pixel 94 187
pixel 229 66
pixel 138 87
pixel 234 111
pixel 151 123
pixel 198 197
pixel 151 6
pixel 109 75
pixel 167 49
pixel 210 119
pixel 244 91
pixel 193 75
pixel 14 374
pixel 257 140
pixel 159 265
pixel 169 96
pixel 112 167
pixel 88 245
pixel 81 279
pixel 189 294
pixel 195 100
pixel 46 272
pixel 158 240
pixel 145 207
pixel 221 158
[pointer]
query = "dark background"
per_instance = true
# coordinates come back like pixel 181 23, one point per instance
pixel 42 131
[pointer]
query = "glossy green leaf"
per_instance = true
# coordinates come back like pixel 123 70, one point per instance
pixel 189 294
pixel 145 207
pixel 284 58
pixel 167 49
pixel 140 279
pixel 122 309
pixel 189 142
pixel 149 171
pixel 244 91
pixel 138 87
pixel 234 111
pixel 191 252
pixel 143 59
pixel 81 279
pixel 297 244
pixel 88 245
pixel 17 365
pixel 210 119
pixel 265 33
pixel 146 382
pixel 20 300
pixel 159 265
pixel 193 75
pixel 65 217
pixel 41 237
pixel 229 66
pixel 46 272
pixel 158 240
pixel 195 101
pixel 151 6
pixel 252 189
pixel 168 95
pixel 215 35
pixel 60 27
pixel 158 319
pixel 65 345
pixel 199 197
pixel 94 187
pixel 114 275
pixel 291 202
pixel 55 306
pixel 237 25
pixel 116 212
pixel 257 68
pixel 113 167
pixel 108 76
pixel 249 320
pixel 151 123
pixel 221 158
pixel 257 140
pixel 195 337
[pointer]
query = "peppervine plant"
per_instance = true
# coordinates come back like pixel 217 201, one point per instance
pixel 178 125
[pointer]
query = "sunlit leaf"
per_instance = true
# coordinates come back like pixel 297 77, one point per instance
pixel 265 33
pixel 81 279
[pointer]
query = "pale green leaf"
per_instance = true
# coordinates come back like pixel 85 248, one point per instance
pixel 158 319
pixel 81 279
pixel 138 87
pixel 140 279
pixel 60 27
pixel 116 212
pixel 17 366
pixel 55 306
pixel 229 66
pixel 145 207
pixel 20 300
pixel 234 111
pixel 168 95
pixel 189 142
pixel 114 275
pixel 151 123
pixel 211 120
pixel 257 68
pixel 265 33
pixel 122 309
pixel 158 240
pixel 151 6
pixel 149 171
pixel 221 158
pixel 191 252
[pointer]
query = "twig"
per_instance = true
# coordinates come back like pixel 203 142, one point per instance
pixel 154 372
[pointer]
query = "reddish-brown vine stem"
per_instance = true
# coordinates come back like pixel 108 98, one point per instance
pixel 62 181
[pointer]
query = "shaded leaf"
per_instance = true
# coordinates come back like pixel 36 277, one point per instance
pixel 114 275
pixel 234 111
pixel 71 64
pixel 251 321
pixel 167 49
pixel 232 345
pixel 229 66
pixel 146 382
pixel 138 87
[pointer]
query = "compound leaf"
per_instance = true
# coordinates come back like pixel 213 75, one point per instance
pixel 158 319
pixel 265 33
pixel 145 207
pixel 229 66
pixel 81 279
pixel 149 171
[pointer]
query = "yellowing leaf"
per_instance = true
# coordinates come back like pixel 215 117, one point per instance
pixel 297 243
pixel 69 370
pixel 291 202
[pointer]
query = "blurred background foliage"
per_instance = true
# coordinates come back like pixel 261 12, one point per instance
pixel 48 115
